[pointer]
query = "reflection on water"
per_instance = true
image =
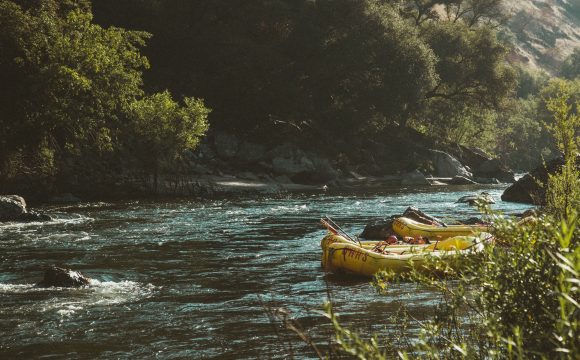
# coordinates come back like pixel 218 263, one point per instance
pixel 183 278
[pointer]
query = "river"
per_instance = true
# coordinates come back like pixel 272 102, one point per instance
pixel 190 278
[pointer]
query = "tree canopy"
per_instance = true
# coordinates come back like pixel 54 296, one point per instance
pixel 68 84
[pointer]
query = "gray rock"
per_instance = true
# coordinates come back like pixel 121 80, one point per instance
pixel 446 165
pixel 300 166
pixel 414 178
pixel 322 172
pixel 490 181
pixel 12 207
pixel 494 168
pixel 288 159
pixel 292 165
pixel 472 156
pixel 528 189
pixel 251 153
pixel 461 180
pixel 61 277
pixel 483 198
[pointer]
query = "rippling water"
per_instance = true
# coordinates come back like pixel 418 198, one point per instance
pixel 187 279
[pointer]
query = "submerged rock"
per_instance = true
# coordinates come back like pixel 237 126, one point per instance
pixel 483 198
pixel 33 216
pixel 61 277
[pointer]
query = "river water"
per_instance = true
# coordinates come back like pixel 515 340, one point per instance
pixel 192 278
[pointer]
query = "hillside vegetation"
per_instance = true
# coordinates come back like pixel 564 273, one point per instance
pixel 544 32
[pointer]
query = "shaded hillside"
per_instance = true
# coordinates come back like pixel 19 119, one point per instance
pixel 544 32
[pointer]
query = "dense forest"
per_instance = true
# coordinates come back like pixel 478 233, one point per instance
pixel 110 86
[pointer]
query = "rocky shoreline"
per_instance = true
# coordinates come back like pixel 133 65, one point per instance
pixel 225 165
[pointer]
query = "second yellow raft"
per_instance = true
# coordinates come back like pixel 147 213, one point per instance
pixel 407 227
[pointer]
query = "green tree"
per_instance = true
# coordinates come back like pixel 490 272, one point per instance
pixel 530 82
pixel 518 128
pixel 72 91
pixel 571 66
pixel 475 12
pixel 163 129
pixel 65 80
pixel 471 65
pixel 370 62
pixel 563 195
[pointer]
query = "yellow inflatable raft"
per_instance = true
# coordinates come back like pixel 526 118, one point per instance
pixel 340 254
pixel 407 227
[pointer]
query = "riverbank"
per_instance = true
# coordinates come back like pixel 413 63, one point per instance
pixel 216 187
pixel 226 164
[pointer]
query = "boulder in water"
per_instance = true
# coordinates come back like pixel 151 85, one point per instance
pixel 61 277
pixel 13 208
pixel 483 198
pixel 33 216
pixel 528 189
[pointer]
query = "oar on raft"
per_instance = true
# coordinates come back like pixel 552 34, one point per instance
pixel 334 228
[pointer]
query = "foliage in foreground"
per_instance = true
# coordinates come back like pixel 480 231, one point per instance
pixel 519 299
pixel 563 195
pixel 515 302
